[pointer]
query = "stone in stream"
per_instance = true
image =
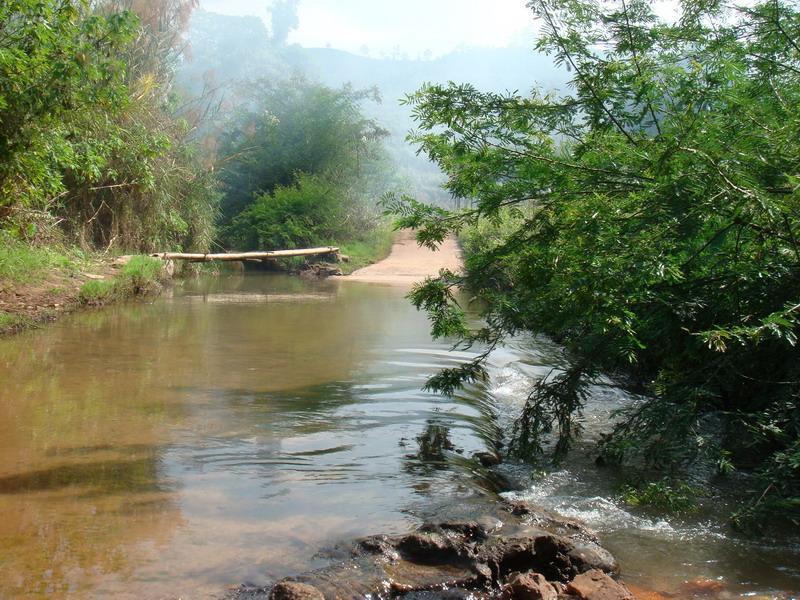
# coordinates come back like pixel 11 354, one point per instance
pixel 294 590
pixel 551 521
pixel 488 459
pixel 596 585
pixel 319 271
pixel 529 586
pixel 453 560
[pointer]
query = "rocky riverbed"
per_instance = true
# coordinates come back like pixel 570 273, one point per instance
pixel 521 552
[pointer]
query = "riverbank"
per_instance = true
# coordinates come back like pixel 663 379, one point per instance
pixel 409 263
pixel 39 285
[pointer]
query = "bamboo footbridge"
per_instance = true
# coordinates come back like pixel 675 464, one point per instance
pixel 250 256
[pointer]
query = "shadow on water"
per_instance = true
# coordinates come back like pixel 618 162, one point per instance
pixel 106 477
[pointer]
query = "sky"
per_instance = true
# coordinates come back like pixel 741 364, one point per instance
pixel 400 27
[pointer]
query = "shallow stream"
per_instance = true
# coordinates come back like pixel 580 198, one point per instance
pixel 228 431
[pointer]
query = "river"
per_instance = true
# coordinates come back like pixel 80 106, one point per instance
pixel 229 430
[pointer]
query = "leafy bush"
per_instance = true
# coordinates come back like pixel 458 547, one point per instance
pixel 656 235
pixel 310 213
pixel 89 140
pixel 665 495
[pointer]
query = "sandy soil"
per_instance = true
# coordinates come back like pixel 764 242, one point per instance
pixel 409 263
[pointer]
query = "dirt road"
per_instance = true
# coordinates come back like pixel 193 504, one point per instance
pixel 409 263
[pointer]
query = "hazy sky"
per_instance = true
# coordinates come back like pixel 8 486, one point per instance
pixel 407 26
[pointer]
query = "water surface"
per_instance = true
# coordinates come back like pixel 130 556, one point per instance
pixel 229 430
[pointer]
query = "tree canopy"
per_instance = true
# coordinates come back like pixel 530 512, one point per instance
pixel 299 147
pixel 648 220
pixel 92 142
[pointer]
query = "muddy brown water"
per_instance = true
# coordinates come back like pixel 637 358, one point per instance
pixel 229 430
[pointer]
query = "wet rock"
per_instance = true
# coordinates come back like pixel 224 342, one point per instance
pixel 451 594
pixel 407 576
pixel 294 590
pixel 487 459
pixel 319 271
pixel 551 521
pixel 435 548
pixel 528 586
pixel 596 585
pixel 430 548
pixel 246 592
pixel 589 555
pixel 379 545
pixel 455 556
pixel 472 530
pixel 557 558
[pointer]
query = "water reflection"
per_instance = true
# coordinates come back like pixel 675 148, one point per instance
pixel 222 434
pixel 228 431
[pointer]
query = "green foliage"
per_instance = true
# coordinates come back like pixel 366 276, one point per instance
pixel 57 59
pixel 97 291
pixel 312 212
pixel 9 322
pixel 141 275
pixel 663 495
pixel 303 167
pixel 89 141
pixel 141 272
pixel 647 220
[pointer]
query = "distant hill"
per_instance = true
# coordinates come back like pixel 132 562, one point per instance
pixel 488 69
pixel 227 50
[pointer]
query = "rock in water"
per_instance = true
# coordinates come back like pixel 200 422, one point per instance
pixel 294 590
pixel 463 559
pixel 529 586
pixel 487 459
pixel 596 585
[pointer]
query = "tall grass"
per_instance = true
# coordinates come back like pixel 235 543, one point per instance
pixel 140 276
pixel 23 263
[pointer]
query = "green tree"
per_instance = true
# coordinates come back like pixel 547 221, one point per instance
pixel 310 212
pixel 289 128
pixel 57 59
pixel 649 222
pixel 90 140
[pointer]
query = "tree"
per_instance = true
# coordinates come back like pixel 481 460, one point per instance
pixel 291 127
pixel 647 220
pixel 56 59
pixel 90 143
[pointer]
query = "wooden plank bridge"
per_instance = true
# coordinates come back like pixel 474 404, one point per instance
pixel 249 256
